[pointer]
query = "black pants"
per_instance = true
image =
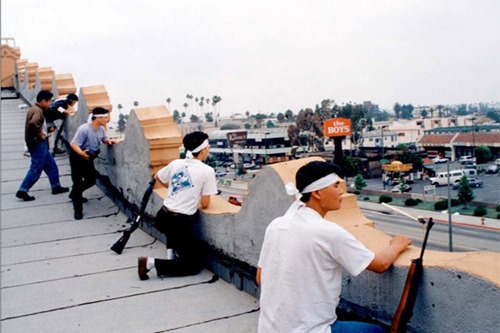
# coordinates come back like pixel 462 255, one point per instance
pixel 182 236
pixel 83 175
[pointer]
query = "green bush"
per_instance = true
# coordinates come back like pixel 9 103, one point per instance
pixel 366 198
pixel 441 205
pixel 480 211
pixel 356 192
pixel 385 198
pixel 498 208
pixel 498 216
pixel 410 202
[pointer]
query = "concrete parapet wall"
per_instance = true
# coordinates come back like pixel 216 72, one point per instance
pixel 10 55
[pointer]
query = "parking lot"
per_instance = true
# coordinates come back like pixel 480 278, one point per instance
pixel 489 192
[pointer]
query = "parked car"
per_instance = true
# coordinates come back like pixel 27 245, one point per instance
pixel 220 173
pixel 493 168
pixel 235 200
pixel 397 188
pixel 438 159
pixel 497 161
pixel 467 159
pixel 473 182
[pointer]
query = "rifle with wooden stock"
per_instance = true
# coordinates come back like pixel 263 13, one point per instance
pixel 405 308
pixel 120 244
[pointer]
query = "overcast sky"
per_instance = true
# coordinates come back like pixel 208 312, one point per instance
pixel 267 56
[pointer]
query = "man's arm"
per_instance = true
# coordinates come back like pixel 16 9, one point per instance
pixel 257 276
pixel 385 258
pixel 159 181
pixel 79 151
pixel 205 201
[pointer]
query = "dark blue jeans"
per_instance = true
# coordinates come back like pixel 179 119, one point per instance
pixel 41 160
pixel 355 327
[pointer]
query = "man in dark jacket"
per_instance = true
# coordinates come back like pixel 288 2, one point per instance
pixel 35 136
pixel 59 110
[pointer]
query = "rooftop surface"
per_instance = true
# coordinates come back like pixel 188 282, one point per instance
pixel 59 275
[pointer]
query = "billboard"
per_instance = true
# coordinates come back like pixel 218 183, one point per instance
pixel 238 138
pixel 337 127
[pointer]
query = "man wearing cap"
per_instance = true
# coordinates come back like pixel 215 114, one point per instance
pixel 303 256
pixel 190 183
pixel 35 136
pixel 84 149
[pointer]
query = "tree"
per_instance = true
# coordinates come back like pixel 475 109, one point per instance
pixel 359 182
pixel 194 118
pixel 120 107
pixel 482 154
pixel 247 126
pixel 177 117
pixel 168 102
pixel 270 124
pixel 406 111
pixel 280 117
pixel 122 122
pixel 424 113
pixel 289 115
pixel 494 115
pixel 136 104
pixel 209 117
pixel 259 117
pixel 465 193
pixel 397 110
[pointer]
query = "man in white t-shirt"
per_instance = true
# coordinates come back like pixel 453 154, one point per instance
pixel 190 183
pixel 303 256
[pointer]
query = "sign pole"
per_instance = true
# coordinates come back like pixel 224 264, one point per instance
pixel 449 207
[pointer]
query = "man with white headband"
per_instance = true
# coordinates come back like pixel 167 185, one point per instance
pixel 303 256
pixel 84 149
pixel 190 182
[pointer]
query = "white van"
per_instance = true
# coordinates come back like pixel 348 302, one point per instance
pixel 441 178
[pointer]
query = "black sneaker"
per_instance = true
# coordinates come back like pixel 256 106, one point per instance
pixel 25 196
pixel 59 190
pixel 78 215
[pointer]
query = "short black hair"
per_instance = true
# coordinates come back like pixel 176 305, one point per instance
pixel 194 140
pixel 44 95
pixel 72 97
pixel 311 172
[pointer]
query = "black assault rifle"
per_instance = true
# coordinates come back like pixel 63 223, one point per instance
pixel 120 244
pixel 405 308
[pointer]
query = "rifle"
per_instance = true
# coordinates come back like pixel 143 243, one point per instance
pixel 120 244
pixel 405 308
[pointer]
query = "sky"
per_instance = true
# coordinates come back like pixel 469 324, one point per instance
pixel 266 56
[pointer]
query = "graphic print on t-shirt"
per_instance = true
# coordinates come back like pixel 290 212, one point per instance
pixel 181 180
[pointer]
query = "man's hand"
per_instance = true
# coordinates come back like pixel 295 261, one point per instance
pixel 400 242
pixel 85 156
pixel 112 142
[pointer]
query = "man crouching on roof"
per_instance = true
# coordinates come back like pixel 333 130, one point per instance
pixel 302 257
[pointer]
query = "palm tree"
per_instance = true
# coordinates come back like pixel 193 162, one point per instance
pixel 136 104
pixel 215 100
pixel 168 102
pixel 120 107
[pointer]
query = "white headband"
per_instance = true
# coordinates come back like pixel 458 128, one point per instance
pixel 314 186
pixel 291 189
pixel 189 153
pixel 99 115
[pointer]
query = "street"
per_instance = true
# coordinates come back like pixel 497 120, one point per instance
pixel 464 238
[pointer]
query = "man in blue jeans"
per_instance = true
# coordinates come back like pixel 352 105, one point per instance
pixel 35 135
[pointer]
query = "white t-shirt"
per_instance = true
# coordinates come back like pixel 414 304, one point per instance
pixel 302 261
pixel 188 180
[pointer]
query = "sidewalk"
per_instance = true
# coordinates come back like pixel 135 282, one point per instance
pixel 59 275
pixel 472 221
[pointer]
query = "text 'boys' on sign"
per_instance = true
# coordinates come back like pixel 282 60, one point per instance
pixel 337 127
